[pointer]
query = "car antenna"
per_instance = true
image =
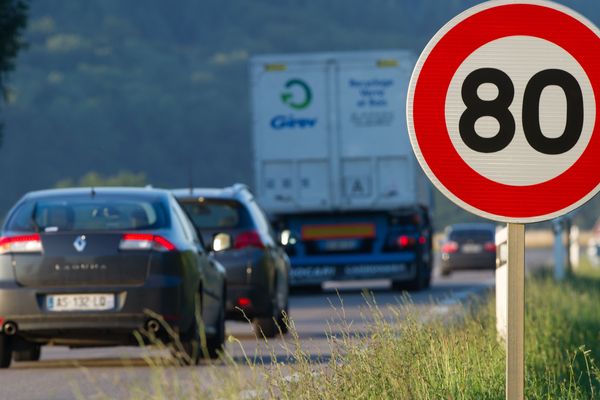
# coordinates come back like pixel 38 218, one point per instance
pixel 191 176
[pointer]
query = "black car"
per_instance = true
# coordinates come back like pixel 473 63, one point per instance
pixel 468 246
pixel 257 267
pixel 89 267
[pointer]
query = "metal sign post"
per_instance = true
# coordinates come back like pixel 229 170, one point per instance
pixel 515 352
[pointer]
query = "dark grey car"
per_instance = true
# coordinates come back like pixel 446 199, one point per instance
pixel 257 267
pixel 89 267
pixel 468 246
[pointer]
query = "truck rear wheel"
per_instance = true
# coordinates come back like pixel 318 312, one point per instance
pixel 307 289
pixel 421 281
pixel 33 353
pixel 6 351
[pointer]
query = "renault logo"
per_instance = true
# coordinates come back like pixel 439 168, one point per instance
pixel 80 243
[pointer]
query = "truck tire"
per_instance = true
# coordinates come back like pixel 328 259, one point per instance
pixel 307 289
pixel 6 351
pixel 421 281
pixel 33 353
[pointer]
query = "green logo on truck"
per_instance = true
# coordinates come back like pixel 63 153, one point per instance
pixel 297 102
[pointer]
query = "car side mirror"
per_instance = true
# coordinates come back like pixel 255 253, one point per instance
pixel 287 238
pixel 221 241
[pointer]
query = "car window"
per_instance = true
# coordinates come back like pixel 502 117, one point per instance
pixel 218 214
pixel 186 225
pixel 261 218
pixel 89 214
pixel 472 234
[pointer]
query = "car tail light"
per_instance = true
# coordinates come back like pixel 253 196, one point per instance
pixel 244 302
pixel 248 239
pixel 405 241
pixel 489 246
pixel 450 247
pixel 422 239
pixel 145 241
pixel 21 244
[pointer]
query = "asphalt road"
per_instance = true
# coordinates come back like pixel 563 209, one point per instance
pixel 63 373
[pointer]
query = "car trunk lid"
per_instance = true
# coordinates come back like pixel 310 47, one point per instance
pixel 73 259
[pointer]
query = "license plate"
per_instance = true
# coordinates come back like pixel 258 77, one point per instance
pixel 80 302
pixel 472 248
pixel 340 245
pixel 312 272
pixel 379 270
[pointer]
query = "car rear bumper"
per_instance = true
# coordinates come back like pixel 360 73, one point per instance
pixel 258 302
pixel 469 261
pixel 247 278
pixel 134 307
pixel 315 274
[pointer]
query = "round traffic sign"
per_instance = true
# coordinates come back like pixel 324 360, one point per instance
pixel 502 112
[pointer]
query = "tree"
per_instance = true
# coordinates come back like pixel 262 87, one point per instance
pixel 13 19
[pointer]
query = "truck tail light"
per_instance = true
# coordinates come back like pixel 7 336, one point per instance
pixel 490 247
pixel 21 244
pixel 450 247
pixel 145 241
pixel 248 239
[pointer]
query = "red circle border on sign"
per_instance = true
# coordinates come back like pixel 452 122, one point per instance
pixel 496 200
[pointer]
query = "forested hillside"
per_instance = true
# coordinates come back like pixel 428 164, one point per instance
pixel 161 88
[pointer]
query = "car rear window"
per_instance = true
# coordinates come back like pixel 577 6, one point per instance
pixel 217 214
pixel 88 214
pixel 472 234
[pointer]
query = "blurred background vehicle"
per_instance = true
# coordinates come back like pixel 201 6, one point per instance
pixel 81 267
pixel 468 246
pixel 334 168
pixel 256 265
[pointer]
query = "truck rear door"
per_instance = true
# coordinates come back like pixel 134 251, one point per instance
pixel 292 105
pixel 375 159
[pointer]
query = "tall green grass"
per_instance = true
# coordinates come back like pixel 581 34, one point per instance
pixel 416 356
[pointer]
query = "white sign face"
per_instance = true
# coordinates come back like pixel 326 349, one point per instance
pixel 502 114
pixel 506 165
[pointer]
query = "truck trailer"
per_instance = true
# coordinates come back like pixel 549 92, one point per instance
pixel 334 168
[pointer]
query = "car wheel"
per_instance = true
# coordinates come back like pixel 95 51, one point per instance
pixel 445 271
pixel 216 343
pixel 283 320
pixel 5 351
pixel 265 326
pixel 270 326
pixel 33 353
pixel 189 351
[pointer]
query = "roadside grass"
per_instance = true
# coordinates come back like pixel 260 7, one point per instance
pixel 412 355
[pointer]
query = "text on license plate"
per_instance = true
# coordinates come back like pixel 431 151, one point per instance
pixel 472 248
pixel 80 302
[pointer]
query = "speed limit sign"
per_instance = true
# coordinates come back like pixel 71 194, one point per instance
pixel 502 111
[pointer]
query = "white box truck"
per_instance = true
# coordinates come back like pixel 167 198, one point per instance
pixel 334 168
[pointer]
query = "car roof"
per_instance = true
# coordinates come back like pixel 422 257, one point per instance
pixel 120 191
pixel 236 192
